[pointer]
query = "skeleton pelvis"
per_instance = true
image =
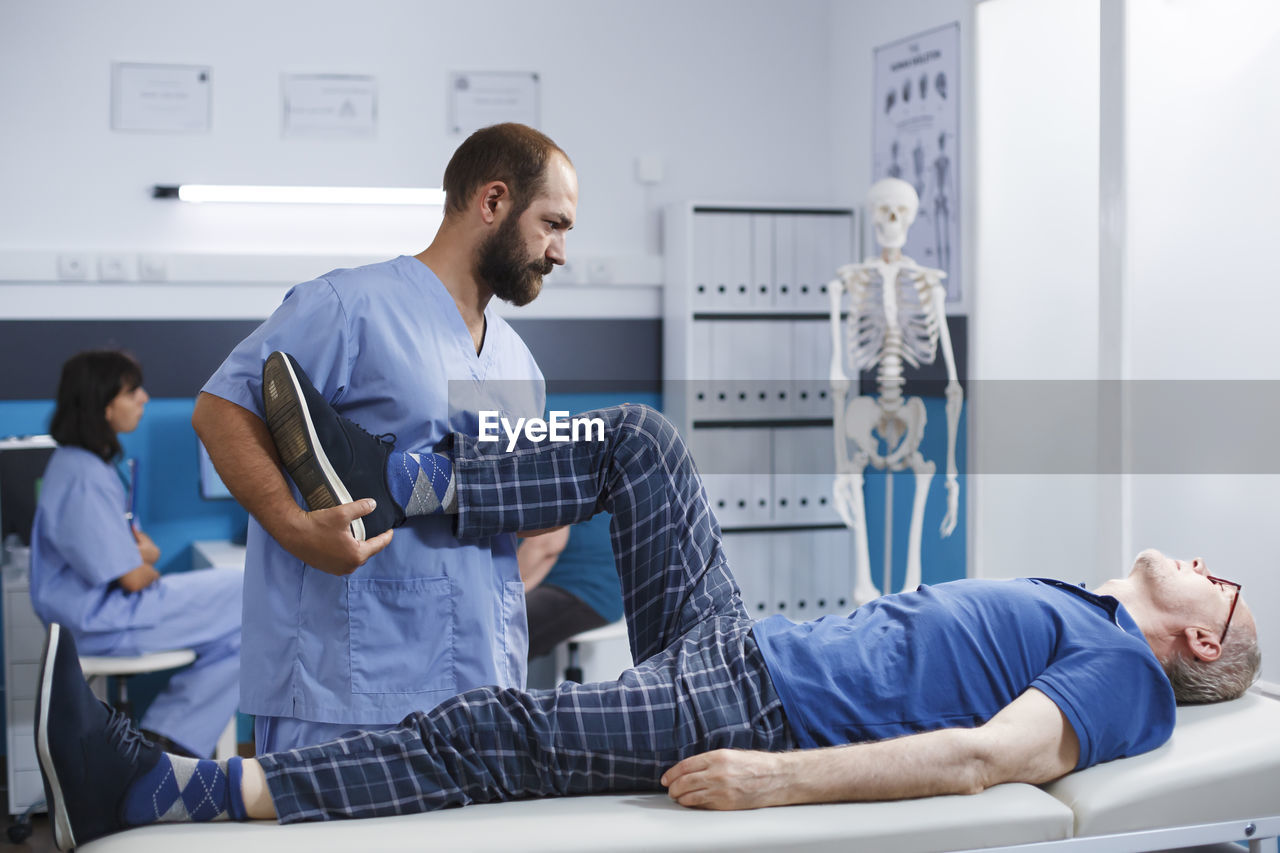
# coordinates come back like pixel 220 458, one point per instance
pixel 866 425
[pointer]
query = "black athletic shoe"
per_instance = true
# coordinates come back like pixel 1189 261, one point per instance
pixel 89 753
pixel 331 460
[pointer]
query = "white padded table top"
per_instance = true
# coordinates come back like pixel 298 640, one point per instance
pixel 1222 763
pixel 1004 815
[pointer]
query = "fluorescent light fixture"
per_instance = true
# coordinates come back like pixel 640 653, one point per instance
pixel 299 195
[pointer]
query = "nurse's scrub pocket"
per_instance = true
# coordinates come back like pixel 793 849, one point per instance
pixel 401 635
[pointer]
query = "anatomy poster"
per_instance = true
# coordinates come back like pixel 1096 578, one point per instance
pixel 916 127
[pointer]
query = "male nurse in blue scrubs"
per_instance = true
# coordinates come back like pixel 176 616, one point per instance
pixel 341 632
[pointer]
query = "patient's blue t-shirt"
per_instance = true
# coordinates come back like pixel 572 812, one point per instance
pixel 954 654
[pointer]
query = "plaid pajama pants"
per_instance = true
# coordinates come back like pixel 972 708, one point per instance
pixel 700 682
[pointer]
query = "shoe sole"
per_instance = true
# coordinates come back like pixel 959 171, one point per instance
pixel 62 834
pixel 296 440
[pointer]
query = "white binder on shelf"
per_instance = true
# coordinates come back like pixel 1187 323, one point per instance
pixel 756 461
pixel 719 496
pixel 781 574
pixel 715 230
pixel 779 369
pixel 832 556
pixel 737 492
pixel 702 353
pixel 843 246
pixel 748 555
pixel 842 250
pixel 801 343
pixel 804 575
pixel 735 254
pixel 814 464
pixel 724 348
pixel 702 264
pixel 762 291
pixel 705 447
pixel 758 349
pixel 809 259
pixel 784 262
pixel 786 459
pixel 735 364
pixel 813 367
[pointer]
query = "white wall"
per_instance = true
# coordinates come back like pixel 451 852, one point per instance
pixel 1203 179
pixel 733 95
pixel 1035 322
pixel 857 28
pixel 1178 131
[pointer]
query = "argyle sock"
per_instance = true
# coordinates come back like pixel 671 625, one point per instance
pixel 185 790
pixel 422 483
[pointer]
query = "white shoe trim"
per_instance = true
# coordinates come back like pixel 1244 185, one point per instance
pixel 62 834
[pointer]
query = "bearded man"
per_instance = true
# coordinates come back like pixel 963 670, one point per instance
pixel 386 344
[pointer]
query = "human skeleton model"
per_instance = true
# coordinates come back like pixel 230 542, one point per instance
pixel 897 316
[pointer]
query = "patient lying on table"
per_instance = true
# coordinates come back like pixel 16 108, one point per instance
pixel 947 689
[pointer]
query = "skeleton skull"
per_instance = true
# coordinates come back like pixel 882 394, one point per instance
pixel 893 204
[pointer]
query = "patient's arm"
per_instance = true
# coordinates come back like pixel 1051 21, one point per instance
pixel 1029 741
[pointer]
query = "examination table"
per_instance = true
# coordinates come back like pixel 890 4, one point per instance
pixel 1216 780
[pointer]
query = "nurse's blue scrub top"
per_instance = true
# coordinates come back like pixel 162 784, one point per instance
pixel 80 543
pixel 429 616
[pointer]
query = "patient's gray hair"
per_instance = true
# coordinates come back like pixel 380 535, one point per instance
pixel 1196 682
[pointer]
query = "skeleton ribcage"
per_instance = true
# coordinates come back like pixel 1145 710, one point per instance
pixel 870 340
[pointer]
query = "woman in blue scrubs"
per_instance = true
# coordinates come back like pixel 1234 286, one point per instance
pixel 94 570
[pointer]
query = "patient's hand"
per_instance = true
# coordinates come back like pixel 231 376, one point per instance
pixel 728 779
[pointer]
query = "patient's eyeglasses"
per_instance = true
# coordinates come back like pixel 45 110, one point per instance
pixel 1234 600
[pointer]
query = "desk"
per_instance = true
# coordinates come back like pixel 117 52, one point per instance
pixel 216 554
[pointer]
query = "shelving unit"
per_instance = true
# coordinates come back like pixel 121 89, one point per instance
pixel 746 359
pixel 22 460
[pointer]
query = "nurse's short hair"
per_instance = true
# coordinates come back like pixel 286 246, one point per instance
pixel 1196 682
pixel 512 153
pixel 90 380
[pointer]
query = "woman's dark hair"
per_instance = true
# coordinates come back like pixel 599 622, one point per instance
pixel 90 380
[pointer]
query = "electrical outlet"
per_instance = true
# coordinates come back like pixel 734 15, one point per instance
pixel 114 268
pixel 73 266
pixel 153 268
